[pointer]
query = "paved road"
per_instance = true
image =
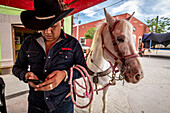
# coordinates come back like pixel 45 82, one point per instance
pixel 151 95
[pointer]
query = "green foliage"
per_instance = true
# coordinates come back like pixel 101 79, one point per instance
pixel 157 25
pixel 90 33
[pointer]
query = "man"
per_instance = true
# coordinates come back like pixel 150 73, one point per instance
pixel 48 56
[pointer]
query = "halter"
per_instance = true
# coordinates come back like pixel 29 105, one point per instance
pixel 120 58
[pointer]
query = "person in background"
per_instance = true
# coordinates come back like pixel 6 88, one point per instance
pixel 47 58
pixel 141 49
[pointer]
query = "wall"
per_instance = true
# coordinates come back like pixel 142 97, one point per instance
pixel 6 39
pixel 6 44
pixel 83 29
pixel 6 10
pixel 68 25
pixel 141 28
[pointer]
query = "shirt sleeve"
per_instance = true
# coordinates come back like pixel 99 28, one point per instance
pixel 21 65
pixel 79 59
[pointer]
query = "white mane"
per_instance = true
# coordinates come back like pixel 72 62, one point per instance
pixel 97 34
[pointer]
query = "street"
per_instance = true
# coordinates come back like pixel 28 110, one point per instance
pixel 150 95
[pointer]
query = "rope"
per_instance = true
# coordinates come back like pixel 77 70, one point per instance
pixel 94 89
pixel 89 91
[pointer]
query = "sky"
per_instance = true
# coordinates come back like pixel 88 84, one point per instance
pixel 144 10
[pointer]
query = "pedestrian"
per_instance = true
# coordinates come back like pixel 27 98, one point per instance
pixel 47 57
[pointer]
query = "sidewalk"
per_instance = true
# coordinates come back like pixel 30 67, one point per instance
pixel 16 93
pixel 158 53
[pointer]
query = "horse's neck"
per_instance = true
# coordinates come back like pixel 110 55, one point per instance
pixel 97 56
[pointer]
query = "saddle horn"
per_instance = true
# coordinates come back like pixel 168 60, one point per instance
pixel 130 17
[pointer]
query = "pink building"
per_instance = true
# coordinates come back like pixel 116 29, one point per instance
pixel 139 28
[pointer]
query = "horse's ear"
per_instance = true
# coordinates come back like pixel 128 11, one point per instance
pixel 130 17
pixel 110 20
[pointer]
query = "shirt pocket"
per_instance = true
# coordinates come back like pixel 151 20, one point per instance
pixel 32 56
pixel 65 57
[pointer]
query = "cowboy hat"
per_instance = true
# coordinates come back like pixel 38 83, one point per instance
pixel 45 14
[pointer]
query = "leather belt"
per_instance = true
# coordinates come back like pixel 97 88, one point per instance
pixel 100 74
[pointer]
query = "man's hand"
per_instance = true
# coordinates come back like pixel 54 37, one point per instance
pixel 52 81
pixel 31 75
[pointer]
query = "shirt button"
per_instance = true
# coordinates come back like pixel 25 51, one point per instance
pixel 45 70
pixel 65 56
pixel 28 55
pixel 44 57
pixel 48 56
pixel 46 98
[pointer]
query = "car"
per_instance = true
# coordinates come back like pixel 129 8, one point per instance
pixel 85 49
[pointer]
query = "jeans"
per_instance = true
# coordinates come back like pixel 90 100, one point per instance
pixel 65 107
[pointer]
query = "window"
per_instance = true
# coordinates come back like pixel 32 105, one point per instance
pixel 134 28
pixel 82 40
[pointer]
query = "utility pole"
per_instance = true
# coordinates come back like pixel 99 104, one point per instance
pixel 156 29
pixel 77 26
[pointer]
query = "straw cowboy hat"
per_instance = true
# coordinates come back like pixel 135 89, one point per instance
pixel 45 14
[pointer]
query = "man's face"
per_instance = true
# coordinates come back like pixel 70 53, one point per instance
pixel 52 33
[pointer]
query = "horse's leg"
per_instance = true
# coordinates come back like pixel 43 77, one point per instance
pixel 104 98
pixel 91 105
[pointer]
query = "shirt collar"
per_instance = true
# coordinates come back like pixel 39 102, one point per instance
pixel 41 40
pixel 63 35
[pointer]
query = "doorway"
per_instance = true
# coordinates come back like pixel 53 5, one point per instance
pixel 19 33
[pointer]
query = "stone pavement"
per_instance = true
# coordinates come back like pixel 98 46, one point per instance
pixel 16 93
pixel 150 95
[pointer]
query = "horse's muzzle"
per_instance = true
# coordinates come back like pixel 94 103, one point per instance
pixel 133 79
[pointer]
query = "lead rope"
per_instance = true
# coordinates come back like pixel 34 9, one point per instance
pixel 89 90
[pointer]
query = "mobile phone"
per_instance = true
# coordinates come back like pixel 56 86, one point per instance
pixel 34 81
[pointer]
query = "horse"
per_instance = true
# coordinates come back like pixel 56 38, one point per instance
pixel 112 48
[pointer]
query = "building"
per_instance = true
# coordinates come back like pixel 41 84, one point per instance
pixel 139 28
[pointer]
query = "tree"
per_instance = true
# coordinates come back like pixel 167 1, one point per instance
pixel 157 25
pixel 90 33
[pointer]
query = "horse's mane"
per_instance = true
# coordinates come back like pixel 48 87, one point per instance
pixel 97 34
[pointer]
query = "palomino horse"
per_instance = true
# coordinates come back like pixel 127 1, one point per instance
pixel 113 47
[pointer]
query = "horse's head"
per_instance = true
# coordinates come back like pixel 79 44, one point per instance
pixel 118 40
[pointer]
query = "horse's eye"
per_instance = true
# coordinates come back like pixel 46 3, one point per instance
pixel 120 38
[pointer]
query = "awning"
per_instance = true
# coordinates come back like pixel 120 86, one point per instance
pixel 145 37
pixel 157 38
pixel 78 5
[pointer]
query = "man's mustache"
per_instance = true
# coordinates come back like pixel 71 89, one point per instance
pixel 50 35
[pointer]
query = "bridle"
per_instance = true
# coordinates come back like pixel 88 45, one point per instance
pixel 118 59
